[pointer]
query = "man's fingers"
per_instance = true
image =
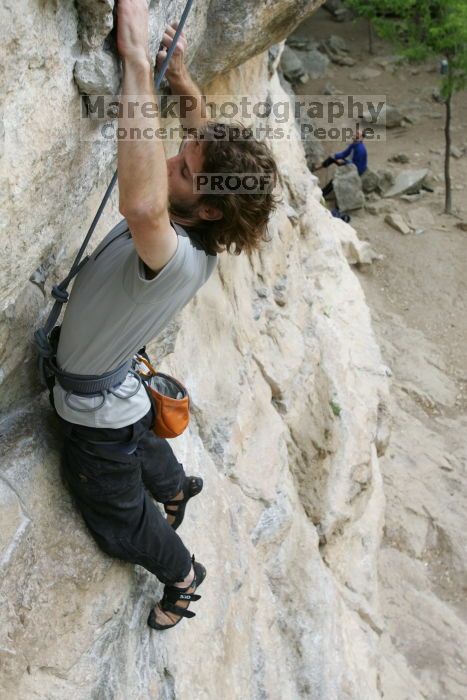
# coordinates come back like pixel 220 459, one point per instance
pixel 173 26
pixel 171 32
pixel 160 58
pixel 167 40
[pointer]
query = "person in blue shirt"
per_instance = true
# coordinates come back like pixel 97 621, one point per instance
pixel 359 155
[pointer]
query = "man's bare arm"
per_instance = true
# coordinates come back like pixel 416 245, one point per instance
pixel 193 111
pixel 142 169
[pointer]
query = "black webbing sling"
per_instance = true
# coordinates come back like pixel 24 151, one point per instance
pixel 46 338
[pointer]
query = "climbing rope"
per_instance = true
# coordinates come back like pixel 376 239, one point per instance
pixel 59 291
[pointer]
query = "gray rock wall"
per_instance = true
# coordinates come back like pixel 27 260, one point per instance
pixel 289 412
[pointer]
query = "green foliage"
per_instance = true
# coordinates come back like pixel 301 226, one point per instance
pixel 376 9
pixel 423 29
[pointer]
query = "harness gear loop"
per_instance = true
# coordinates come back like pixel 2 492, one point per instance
pixel 46 347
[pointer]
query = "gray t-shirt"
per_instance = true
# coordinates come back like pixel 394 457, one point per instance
pixel 113 311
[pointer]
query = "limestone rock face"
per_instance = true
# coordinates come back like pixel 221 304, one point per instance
pixel 290 414
pixel 243 29
pixel 219 39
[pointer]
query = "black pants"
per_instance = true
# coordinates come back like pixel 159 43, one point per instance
pixel 327 189
pixel 114 492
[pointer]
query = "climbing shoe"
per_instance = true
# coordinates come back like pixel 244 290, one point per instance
pixel 192 486
pixel 173 595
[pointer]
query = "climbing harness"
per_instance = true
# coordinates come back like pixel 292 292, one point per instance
pixel 47 338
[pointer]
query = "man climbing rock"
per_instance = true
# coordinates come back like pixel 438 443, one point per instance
pixel 356 149
pixel 143 272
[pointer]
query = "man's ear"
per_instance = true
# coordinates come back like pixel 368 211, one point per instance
pixel 209 213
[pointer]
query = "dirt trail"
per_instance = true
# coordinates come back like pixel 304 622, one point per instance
pixel 417 294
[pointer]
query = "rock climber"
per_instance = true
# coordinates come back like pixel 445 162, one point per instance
pixel 356 149
pixel 143 272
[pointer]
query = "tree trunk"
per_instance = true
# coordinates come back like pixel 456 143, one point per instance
pixel 447 157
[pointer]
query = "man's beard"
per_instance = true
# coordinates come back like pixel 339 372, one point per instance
pixel 178 207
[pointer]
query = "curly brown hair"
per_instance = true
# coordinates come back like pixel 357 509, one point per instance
pixel 232 148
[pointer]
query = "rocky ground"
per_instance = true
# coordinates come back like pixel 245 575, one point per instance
pixel 416 290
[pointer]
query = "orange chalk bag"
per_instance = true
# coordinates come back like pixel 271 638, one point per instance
pixel 170 399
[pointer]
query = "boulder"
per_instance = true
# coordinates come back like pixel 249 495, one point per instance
pixel 292 66
pixel 398 222
pixel 301 43
pixel 335 48
pixel 379 207
pixel 389 116
pixel 407 182
pixel 456 152
pixel 348 188
pixel 369 181
pixel 462 225
pixel 430 181
pixel 342 60
pixel 365 74
pixel 399 158
pixel 338 10
pixel 336 43
pixel 315 63
pixel 385 180
pixel 343 14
